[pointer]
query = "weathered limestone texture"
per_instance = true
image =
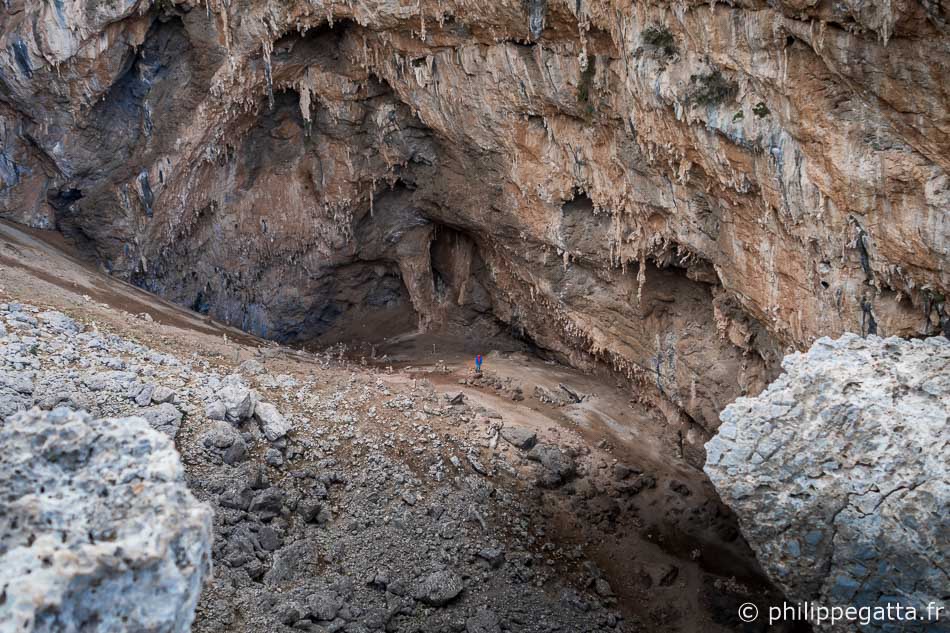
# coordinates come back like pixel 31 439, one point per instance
pixel 98 531
pixel 838 472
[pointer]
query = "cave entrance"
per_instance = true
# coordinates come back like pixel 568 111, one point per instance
pixel 365 304
pixel 450 289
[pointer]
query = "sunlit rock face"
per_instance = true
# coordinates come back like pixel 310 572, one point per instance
pixel 677 192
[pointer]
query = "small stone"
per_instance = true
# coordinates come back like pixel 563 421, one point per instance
pixel 439 588
pixel 143 394
pixel 274 458
pixel 603 589
pixel 477 465
pixel 251 367
pixel 484 621
pixel 495 556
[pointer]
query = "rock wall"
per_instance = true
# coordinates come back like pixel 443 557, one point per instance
pixel 678 191
pixel 839 476
pixel 99 532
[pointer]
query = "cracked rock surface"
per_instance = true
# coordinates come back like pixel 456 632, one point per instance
pixel 98 531
pixel 839 474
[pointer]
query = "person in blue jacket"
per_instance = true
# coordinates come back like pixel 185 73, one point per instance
pixel 478 364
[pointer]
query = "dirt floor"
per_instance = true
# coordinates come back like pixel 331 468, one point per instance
pixel 650 521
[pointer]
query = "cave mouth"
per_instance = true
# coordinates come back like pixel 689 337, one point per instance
pixel 366 304
pixel 433 302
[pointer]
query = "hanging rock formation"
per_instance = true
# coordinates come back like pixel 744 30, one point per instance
pixel 679 192
pixel 839 475
pixel 98 530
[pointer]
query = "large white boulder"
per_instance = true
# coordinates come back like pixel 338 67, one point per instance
pixel 840 477
pixel 98 531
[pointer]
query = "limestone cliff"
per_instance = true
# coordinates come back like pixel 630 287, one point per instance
pixel 680 191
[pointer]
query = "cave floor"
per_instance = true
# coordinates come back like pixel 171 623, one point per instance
pixel 628 511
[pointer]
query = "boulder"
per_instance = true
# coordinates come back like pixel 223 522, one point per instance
pixel 839 475
pixel 523 439
pixel 238 401
pixel 163 417
pixel 216 411
pixel 324 605
pixel 557 466
pixel 223 440
pixel 98 523
pixel 273 425
pixel 162 394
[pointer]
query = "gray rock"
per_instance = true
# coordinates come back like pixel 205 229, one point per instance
pixel 274 458
pixel 102 524
pixel 108 380
pixel 267 503
pixel 16 392
pixel 519 438
pixel 269 539
pixel 477 466
pixel 324 605
pixel 289 612
pixel 163 394
pixel 494 556
pixel 839 475
pixel 142 394
pixel 557 466
pixel 439 588
pixel 216 411
pixel 18 382
pixel 239 402
pixel 223 440
pixel 251 367
pixel 164 417
pixel 59 322
pixel 273 425
pixel 483 621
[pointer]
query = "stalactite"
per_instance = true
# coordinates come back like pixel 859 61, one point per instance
pixel 267 46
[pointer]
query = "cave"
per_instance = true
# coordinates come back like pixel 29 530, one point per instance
pixel 483 317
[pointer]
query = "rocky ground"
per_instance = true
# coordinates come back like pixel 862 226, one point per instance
pixel 368 498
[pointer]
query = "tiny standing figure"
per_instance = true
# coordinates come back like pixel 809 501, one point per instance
pixel 478 364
